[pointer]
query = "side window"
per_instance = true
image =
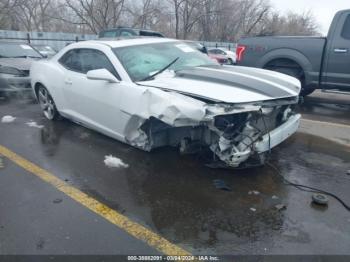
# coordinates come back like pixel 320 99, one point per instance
pixel 346 29
pixel 71 61
pixel 94 59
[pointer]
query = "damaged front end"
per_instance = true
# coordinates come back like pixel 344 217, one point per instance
pixel 236 134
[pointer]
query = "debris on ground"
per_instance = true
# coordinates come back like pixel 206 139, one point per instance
pixel 84 135
pixel 34 124
pixel 220 184
pixel 253 192
pixel 253 209
pixel 320 199
pixel 57 201
pixel 114 162
pixel 7 119
pixel 280 207
pixel 275 197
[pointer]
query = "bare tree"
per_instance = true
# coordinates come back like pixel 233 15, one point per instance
pixel 96 14
pixel 211 20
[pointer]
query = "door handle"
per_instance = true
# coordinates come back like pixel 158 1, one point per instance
pixel 340 50
pixel 68 82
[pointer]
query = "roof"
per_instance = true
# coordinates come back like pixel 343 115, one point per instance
pixel 121 42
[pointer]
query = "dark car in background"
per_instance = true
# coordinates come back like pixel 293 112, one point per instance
pixel 15 61
pixel 128 32
pixel 318 62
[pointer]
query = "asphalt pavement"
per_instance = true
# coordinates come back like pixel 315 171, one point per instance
pixel 171 200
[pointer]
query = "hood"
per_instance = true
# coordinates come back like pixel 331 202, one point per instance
pixel 229 84
pixel 22 64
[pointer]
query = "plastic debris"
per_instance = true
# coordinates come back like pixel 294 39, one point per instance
pixel 114 162
pixel 253 209
pixel 280 207
pixel 320 199
pixel 275 197
pixel 220 184
pixel 254 192
pixel 7 119
pixel 34 124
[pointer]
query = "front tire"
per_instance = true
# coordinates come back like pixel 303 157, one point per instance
pixel 47 103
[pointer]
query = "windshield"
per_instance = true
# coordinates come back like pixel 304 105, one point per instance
pixel 10 50
pixel 141 61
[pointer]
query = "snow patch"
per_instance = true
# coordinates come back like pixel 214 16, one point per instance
pixel 7 119
pixel 115 162
pixel 34 124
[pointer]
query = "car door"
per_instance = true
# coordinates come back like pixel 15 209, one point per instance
pixel 337 70
pixel 93 103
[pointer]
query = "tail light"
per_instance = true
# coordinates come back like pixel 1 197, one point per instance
pixel 240 52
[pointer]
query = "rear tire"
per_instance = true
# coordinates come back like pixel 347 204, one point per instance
pixel 47 104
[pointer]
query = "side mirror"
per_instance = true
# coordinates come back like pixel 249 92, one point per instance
pixel 102 74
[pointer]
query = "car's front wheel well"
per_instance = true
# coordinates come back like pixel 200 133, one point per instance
pixel 36 88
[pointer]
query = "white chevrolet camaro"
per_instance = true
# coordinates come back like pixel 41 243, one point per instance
pixel 154 92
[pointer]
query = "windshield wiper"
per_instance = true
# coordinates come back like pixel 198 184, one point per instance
pixel 160 71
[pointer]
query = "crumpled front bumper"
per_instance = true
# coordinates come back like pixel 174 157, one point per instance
pixel 11 83
pixel 278 135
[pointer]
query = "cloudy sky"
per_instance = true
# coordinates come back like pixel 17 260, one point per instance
pixel 323 10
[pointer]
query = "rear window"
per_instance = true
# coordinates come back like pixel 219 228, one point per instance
pixel 346 28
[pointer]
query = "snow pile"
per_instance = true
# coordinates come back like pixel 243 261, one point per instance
pixel 34 124
pixel 112 161
pixel 7 119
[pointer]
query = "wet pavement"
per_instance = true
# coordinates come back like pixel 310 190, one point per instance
pixel 175 196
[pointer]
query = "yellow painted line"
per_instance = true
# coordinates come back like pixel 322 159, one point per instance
pixel 138 231
pixel 325 123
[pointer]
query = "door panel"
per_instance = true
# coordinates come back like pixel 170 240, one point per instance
pixel 94 103
pixel 337 71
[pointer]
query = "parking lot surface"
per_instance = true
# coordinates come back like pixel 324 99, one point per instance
pixel 169 195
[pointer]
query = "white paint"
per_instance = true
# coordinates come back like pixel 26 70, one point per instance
pixel 254 192
pixel 34 124
pixel 114 162
pixel 185 48
pixel 8 119
pixel 26 47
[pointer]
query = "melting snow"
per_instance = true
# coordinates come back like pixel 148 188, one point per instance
pixel 112 161
pixel 7 119
pixel 34 124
